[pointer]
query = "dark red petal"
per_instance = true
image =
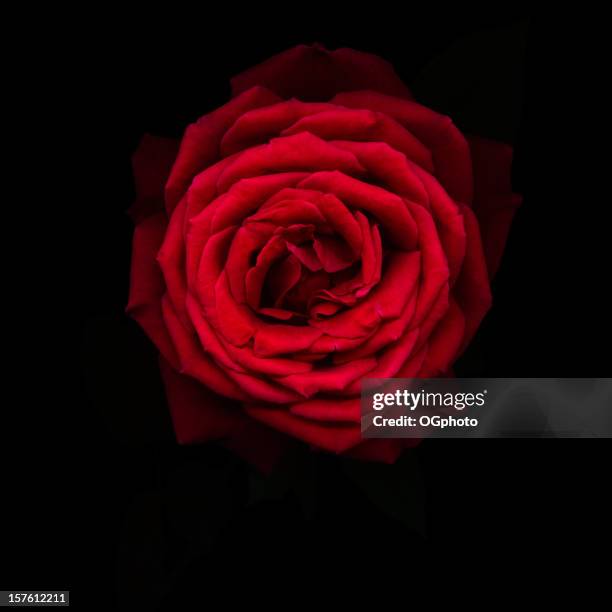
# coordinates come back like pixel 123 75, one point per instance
pixel 444 343
pixel 261 446
pixel 284 276
pixel 314 73
pixel 494 202
pixel 151 164
pixel 285 212
pixel 472 289
pixel 194 361
pixel 279 339
pixel 385 451
pixel 388 208
pixel 388 333
pixel 301 151
pixel 171 259
pixel 256 276
pixel 334 254
pixel 260 125
pixel 336 410
pixel 280 313
pixel 334 437
pixel 147 284
pixel 331 379
pixel 200 145
pixel 198 414
pixel 388 168
pixel 411 368
pixel 306 255
pixel 450 150
pixel 433 260
pixel 359 125
pixel 391 360
pixel 386 301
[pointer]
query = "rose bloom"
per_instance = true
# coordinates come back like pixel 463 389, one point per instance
pixel 320 228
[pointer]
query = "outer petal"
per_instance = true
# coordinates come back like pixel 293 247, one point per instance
pixel 300 152
pixel 193 361
pixel 147 284
pixel 198 414
pixel 151 164
pixel 200 144
pixel 444 343
pixel 313 73
pixel 335 410
pixel 363 126
pixel 472 289
pixel 494 202
pixel 385 451
pixel 450 150
pixel 260 445
pixel 334 437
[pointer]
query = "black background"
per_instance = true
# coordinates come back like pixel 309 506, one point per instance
pixel 98 497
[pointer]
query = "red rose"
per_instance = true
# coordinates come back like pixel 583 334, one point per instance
pixel 319 228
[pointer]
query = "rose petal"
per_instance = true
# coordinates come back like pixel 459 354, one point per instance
pixel 341 220
pixel 386 334
pixel 314 73
pixel 411 368
pixel 194 361
pixel 151 164
pixel 286 212
pixel 334 437
pixel 385 451
pixel 334 254
pixel 389 168
pixel 198 414
pixel 261 446
pixel 280 313
pixel 147 284
pixel 244 198
pixel 256 276
pixel 253 385
pixel 289 154
pixel 171 259
pixel 387 207
pixel 335 378
pixel 235 322
pixel 363 125
pixel 246 243
pixel 283 277
pixel 444 343
pixel 472 289
pixel 273 340
pixel 434 265
pixel 336 410
pixel 391 360
pixel 449 149
pixel 386 301
pixel 306 255
pixel 261 125
pixel 494 202
pixel 200 144
pixel 449 223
